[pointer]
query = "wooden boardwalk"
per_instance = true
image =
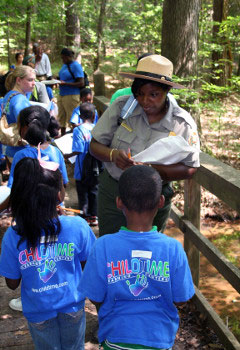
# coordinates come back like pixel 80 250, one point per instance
pixel 14 334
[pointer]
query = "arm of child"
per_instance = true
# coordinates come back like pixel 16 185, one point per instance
pixel 69 155
pixel 98 305
pixel 12 284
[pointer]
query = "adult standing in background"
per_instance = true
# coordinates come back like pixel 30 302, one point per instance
pixel 18 59
pixel 42 64
pixel 72 80
pixel 39 93
pixel 18 83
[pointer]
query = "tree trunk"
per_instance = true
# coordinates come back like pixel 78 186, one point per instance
pixel 28 30
pixel 8 42
pixel 180 43
pixel 238 71
pixel 73 38
pixel 180 35
pixel 100 33
pixel 222 59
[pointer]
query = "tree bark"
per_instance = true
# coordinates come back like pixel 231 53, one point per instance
pixel 8 42
pixel 222 59
pixel 180 35
pixel 100 33
pixel 28 30
pixel 73 38
pixel 180 44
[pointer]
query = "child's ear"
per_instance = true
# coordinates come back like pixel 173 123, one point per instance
pixel 119 203
pixel 161 202
pixel 61 195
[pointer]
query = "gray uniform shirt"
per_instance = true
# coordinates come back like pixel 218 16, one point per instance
pixel 136 133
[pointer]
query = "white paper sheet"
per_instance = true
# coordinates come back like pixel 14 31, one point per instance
pixel 51 82
pixel 4 193
pixel 169 150
pixel 64 143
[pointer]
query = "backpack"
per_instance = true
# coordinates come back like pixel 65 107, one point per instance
pixel 127 109
pixel 9 134
pixel 86 81
pixel 91 169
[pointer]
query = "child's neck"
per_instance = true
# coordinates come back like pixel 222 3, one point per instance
pixel 139 222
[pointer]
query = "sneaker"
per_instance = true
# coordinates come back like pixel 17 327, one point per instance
pixel 16 304
pixel 93 221
pixel 88 219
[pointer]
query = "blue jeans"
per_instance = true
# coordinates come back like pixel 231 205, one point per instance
pixel 64 332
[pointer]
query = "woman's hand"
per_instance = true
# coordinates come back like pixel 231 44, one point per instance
pixel 121 159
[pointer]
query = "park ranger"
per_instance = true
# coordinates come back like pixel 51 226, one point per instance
pixel 132 124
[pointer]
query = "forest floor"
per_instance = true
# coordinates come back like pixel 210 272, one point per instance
pixel 220 137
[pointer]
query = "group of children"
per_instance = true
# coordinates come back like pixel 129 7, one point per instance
pixel 136 277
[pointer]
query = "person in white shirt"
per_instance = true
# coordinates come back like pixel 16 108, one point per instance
pixel 42 64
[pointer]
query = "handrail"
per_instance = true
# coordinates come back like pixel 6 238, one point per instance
pixel 224 182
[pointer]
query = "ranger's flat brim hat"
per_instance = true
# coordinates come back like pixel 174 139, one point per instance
pixel 155 68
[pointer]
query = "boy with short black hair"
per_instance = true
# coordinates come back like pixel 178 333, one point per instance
pixel 87 192
pixel 137 276
pixel 85 96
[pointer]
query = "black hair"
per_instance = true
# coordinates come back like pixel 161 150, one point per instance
pixel 67 52
pixel 143 56
pixel 87 111
pixel 85 92
pixel 33 200
pixel 39 122
pixel 17 55
pixel 140 188
pixel 138 83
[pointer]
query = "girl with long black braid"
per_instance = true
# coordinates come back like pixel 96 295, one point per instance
pixel 46 253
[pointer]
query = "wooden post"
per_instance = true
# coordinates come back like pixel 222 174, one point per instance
pixel 99 83
pixel 192 205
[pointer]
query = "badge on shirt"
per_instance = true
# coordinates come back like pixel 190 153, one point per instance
pixel 126 127
pixel 172 133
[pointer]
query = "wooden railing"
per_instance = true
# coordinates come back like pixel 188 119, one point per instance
pixel 224 182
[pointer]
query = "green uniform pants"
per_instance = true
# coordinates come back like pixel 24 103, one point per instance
pixel 111 218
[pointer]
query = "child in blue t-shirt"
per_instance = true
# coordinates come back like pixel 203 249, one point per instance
pixel 47 253
pixel 138 275
pixel 87 191
pixel 85 96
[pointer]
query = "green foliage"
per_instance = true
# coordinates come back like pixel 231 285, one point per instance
pixel 224 242
pixel 130 29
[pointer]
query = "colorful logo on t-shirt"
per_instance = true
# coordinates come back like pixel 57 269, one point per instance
pixel 48 270
pixel 140 284
pixel 137 270
pixel 46 257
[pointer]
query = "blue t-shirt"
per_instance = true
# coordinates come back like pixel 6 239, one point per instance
pixel 50 153
pixel 50 93
pixel 81 140
pixel 51 276
pixel 17 103
pixel 76 117
pixel 65 75
pixel 137 276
